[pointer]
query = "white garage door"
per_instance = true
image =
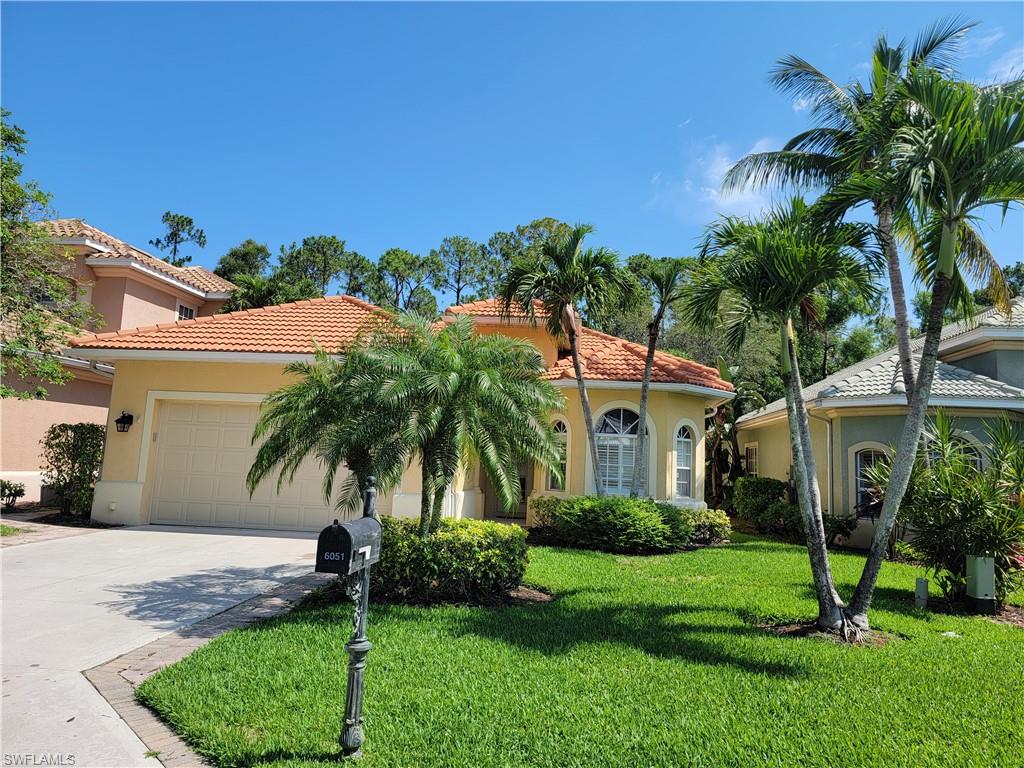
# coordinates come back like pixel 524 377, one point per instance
pixel 203 453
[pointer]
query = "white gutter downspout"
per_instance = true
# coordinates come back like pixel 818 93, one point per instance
pixel 828 455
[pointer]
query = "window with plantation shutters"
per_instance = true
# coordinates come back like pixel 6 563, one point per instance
pixel 616 433
pixel 684 463
pixel 562 436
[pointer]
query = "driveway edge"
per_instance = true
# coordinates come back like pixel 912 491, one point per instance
pixel 115 680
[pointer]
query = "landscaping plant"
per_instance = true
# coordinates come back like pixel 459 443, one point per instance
pixel 10 493
pixel 71 459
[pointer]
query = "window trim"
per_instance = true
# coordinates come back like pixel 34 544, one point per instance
pixel 696 461
pixel 548 485
pixel 181 306
pixel 757 457
pixel 652 443
pixel 851 468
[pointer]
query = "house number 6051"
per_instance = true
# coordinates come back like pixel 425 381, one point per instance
pixel 332 555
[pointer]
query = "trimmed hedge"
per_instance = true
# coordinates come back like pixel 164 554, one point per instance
pixel 624 525
pixel 464 561
pixel 754 495
pixel 782 518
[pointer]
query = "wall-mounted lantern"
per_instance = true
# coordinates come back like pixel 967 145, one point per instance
pixel 124 421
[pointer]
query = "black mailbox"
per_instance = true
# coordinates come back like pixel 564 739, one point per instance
pixel 348 547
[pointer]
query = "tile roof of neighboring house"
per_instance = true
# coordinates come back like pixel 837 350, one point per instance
pixel 606 357
pixel 197 277
pixel 335 321
pixel 330 322
pixel 879 376
pixel 492 308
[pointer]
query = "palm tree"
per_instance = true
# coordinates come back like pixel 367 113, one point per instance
pixel 334 414
pixel 469 398
pixel 960 153
pixel 724 462
pixel 854 133
pixel 560 277
pixel 666 280
pixel 770 269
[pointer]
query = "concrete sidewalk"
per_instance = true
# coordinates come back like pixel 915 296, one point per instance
pixel 73 603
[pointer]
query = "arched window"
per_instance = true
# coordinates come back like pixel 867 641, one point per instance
pixel 562 436
pixel 866 459
pixel 684 463
pixel 616 433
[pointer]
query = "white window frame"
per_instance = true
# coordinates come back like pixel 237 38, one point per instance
pixel 859 487
pixel 563 438
pixel 619 441
pixel 688 468
pixel 746 459
pixel 191 310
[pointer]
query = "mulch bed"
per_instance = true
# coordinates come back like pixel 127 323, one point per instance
pixel 1008 614
pixel 809 629
pixel 73 521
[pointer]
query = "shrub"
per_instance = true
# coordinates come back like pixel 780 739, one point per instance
pixel 612 524
pixel 781 518
pixel 710 526
pixel 463 561
pixel 836 526
pixel 72 454
pixel 754 495
pixel 11 492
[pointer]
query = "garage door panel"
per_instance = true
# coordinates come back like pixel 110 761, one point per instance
pixel 203 454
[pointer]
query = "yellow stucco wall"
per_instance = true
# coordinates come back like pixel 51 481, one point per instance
pixel 138 384
pixel 775 453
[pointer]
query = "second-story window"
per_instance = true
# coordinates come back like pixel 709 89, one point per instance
pixel 185 313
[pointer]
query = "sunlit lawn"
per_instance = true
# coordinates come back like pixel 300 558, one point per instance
pixel 653 661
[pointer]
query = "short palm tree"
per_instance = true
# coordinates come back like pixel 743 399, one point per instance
pixel 468 399
pixel 855 129
pixel 723 447
pixel 665 280
pixel 961 153
pixel 560 277
pixel 331 414
pixel 771 268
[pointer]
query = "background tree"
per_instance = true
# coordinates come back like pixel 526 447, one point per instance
pixel 526 240
pixel 466 268
pixel 37 290
pixel 246 258
pixel 181 230
pixel 321 259
pixel 854 131
pixel 254 291
pixel 401 281
pixel 663 282
pixel 563 275
pixel 357 273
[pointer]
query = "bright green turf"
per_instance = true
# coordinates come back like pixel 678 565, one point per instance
pixel 641 661
pixel 9 530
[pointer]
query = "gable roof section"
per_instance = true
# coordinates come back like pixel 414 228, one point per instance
pixel 492 308
pixel 199 278
pixel 333 322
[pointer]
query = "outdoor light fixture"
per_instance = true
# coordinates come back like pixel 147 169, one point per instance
pixel 124 421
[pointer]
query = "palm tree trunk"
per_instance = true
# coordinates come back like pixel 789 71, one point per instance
pixel 830 606
pixel 588 416
pixel 435 514
pixel 645 388
pixel 884 212
pixel 905 450
pixel 426 495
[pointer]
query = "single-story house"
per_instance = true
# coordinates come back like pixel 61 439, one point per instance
pixel 126 287
pixel 857 414
pixel 194 388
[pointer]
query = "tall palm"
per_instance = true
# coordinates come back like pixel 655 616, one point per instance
pixel 724 462
pixel 770 269
pixel 561 276
pixel 666 281
pixel 470 398
pixel 961 153
pixel 855 128
pixel 331 414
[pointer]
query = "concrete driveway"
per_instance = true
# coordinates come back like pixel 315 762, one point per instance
pixel 73 603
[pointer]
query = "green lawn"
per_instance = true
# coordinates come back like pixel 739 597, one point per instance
pixel 9 530
pixel 641 661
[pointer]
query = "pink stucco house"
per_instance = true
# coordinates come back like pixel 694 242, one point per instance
pixel 128 288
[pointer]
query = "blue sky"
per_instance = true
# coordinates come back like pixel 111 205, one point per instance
pixel 396 125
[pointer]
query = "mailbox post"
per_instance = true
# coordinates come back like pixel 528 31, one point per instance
pixel 349 549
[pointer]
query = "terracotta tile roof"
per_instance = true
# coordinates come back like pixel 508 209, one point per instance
pixel 492 308
pixel 332 322
pixel 335 321
pixel 608 358
pixel 197 277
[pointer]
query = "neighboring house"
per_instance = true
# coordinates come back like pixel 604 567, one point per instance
pixel 857 414
pixel 127 287
pixel 194 390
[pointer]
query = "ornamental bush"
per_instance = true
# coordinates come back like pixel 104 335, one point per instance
pixel 710 526
pixel 72 454
pixel 10 493
pixel 754 495
pixel 464 561
pixel 612 524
